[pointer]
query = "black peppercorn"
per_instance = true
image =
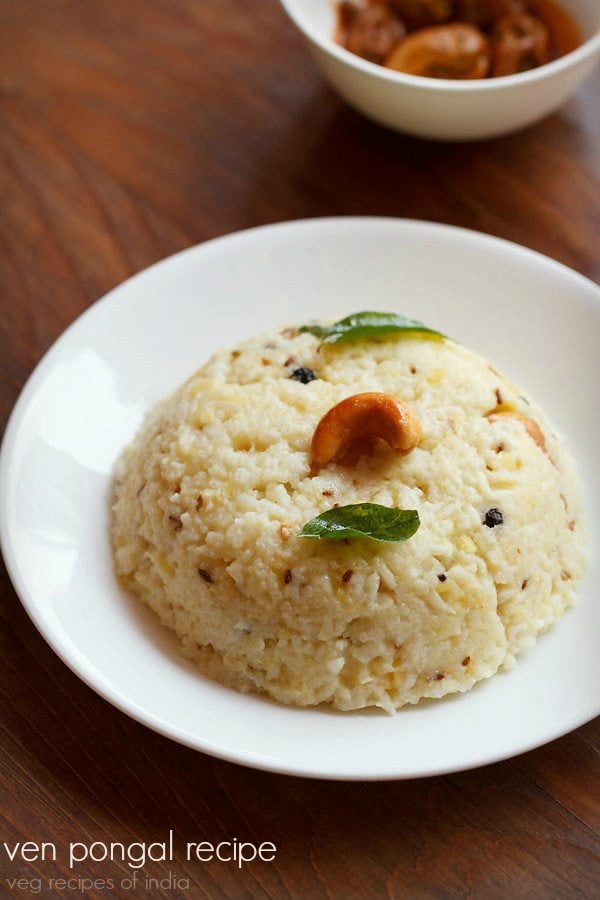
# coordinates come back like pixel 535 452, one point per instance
pixel 441 576
pixel 493 517
pixel 303 374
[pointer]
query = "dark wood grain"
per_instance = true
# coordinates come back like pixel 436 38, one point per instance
pixel 130 130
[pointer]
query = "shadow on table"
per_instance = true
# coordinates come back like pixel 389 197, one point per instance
pixel 329 160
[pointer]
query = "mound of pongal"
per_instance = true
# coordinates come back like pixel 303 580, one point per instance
pixel 362 514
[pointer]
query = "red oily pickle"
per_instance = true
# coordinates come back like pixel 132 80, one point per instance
pixel 455 51
pixel 483 13
pixel 371 33
pixel 519 42
pixel 565 33
pixel 518 34
pixel 422 13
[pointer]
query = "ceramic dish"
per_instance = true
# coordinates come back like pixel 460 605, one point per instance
pixel 443 109
pixel 529 315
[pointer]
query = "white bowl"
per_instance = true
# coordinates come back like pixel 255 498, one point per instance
pixel 534 318
pixel 443 109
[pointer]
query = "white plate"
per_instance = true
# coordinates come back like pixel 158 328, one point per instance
pixel 534 318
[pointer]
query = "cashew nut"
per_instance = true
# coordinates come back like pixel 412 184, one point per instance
pixel 519 42
pixel 353 426
pixel 443 51
pixel 532 428
pixel 371 32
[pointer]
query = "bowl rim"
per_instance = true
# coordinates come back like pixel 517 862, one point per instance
pixel 585 51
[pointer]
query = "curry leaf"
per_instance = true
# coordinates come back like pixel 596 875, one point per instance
pixel 366 520
pixel 365 325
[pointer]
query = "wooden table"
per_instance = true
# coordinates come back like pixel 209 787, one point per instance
pixel 134 128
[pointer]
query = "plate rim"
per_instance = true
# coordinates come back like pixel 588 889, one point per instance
pixel 122 702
